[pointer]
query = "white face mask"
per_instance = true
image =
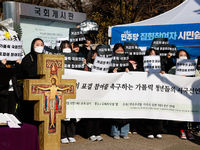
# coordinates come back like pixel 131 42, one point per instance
pixel 39 49
pixel 67 50
pixel 183 57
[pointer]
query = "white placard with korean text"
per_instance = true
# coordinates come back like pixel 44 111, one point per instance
pixel 101 64
pixel 11 50
pixel 186 67
pixel 60 39
pixel 134 95
pixel 152 64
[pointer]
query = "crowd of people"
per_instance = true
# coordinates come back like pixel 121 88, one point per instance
pixel 11 92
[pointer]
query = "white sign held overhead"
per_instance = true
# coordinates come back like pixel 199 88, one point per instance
pixel 11 50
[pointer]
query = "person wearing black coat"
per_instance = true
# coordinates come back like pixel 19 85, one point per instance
pixel 10 92
pixel 86 48
pixel 167 62
pixel 153 127
pixel 29 62
pixel 29 71
pixel 120 127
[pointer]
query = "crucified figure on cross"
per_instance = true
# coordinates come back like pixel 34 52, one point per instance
pixel 53 90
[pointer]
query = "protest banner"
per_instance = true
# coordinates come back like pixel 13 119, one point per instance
pixel 134 95
pixel 162 45
pixel 89 26
pixel 74 60
pixel 11 50
pixel 48 50
pixel 132 49
pixel 104 51
pixel 76 35
pixel 119 61
pixel 101 64
pixel 186 67
pixel 172 50
pixel 152 64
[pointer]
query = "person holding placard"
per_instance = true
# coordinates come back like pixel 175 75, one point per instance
pixel 76 49
pixel 152 65
pixel 153 128
pixel 119 127
pixel 118 49
pixel 29 71
pixel 167 62
pixel 184 131
pixel 86 48
pixel 182 55
pixel 10 91
pixel 90 60
pixel 93 125
pixel 135 64
pixel 68 126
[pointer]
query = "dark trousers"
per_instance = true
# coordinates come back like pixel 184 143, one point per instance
pixel 68 128
pixel 3 103
pixel 11 102
pixel 92 127
pixel 133 124
pixel 8 103
pixel 152 127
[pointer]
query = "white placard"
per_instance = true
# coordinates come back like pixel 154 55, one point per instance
pixel 60 39
pixel 11 50
pixel 13 125
pixel 134 95
pixel 186 67
pixel 152 64
pixel 101 64
pixel 143 49
pixel 48 44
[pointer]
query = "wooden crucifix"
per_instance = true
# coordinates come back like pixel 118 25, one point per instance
pixel 51 91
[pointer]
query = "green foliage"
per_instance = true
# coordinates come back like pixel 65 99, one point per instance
pixel 18 29
pixel 116 12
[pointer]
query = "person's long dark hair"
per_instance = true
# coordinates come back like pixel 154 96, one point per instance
pixel 32 45
pixel 198 60
pixel 76 44
pixel 62 45
pixel 177 53
pixel 148 51
pixel 117 45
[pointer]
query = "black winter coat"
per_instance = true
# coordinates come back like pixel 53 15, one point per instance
pixel 29 66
